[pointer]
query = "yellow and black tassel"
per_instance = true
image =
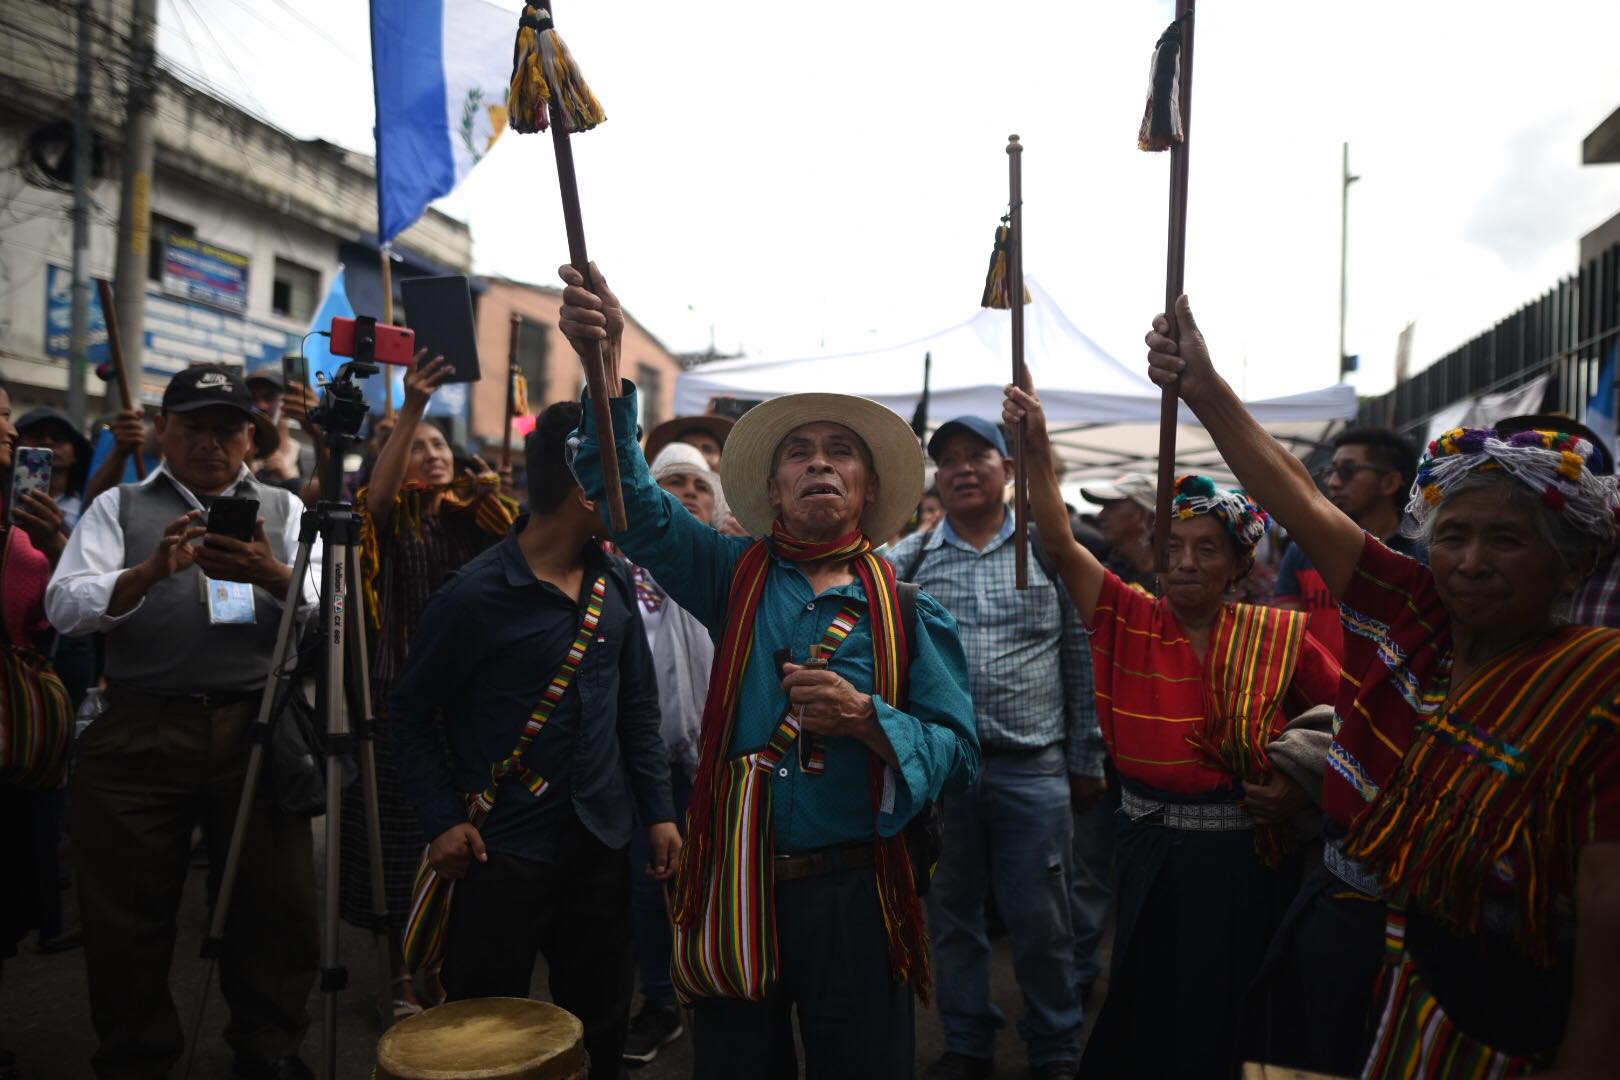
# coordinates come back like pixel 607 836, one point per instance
pixel 520 393
pixel 1161 120
pixel 998 283
pixel 543 69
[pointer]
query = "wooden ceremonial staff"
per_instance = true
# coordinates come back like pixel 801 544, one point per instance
pixel 545 79
pixel 1020 376
pixel 1179 84
pixel 115 345
pixel 511 394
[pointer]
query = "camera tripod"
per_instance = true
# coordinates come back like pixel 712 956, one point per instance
pixel 342 642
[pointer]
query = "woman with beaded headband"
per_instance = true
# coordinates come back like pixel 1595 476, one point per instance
pixel 1193 694
pixel 1473 785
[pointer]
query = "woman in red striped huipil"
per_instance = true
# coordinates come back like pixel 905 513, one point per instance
pixel 1192 692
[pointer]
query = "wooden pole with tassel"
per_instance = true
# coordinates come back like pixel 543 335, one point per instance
pixel 1004 288
pixel 115 346
pixel 1166 126
pixel 515 340
pixel 548 91
pixel 388 317
pixel 1015 289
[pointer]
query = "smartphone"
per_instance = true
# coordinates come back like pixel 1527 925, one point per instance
pixel 440 311
pixel 233 516
pixel 30 472
pixel 392 345
pixel 292 371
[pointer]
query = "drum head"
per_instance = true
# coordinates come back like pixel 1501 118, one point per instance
pixel 485 1039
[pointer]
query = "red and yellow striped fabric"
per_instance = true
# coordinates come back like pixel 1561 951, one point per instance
pixel 1187 726
pixel 1499 791
pixel 1415 1037
pixel 36 720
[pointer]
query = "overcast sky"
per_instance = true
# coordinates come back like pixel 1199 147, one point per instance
pixel 831 176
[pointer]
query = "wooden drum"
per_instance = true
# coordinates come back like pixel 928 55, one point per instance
pixel 485 1039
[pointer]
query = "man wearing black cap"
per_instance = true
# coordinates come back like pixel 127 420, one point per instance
pixel 1029 670
pixel 190 628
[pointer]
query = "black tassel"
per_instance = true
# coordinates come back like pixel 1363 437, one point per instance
pixel 1161 120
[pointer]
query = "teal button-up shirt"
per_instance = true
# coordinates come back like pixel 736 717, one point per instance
pixel 934 737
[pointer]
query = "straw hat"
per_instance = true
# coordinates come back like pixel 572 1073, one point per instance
pixel 896 457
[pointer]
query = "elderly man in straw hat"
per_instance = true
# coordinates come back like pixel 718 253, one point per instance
pixel 837 710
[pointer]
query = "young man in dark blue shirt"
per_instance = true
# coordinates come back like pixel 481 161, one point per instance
pixel 547 871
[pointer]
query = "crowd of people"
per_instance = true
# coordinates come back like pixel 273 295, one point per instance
pixel 784 754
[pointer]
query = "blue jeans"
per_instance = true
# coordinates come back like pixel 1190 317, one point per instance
pixel 649 917
pixel 1012 833
pixel 1092 891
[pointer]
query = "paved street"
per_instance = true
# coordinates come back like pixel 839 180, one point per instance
pixel 45 1021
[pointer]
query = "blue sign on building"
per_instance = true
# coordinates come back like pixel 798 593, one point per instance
pixel 59 318
pixel 194 270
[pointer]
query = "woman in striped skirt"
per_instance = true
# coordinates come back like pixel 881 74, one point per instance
pixel 1475 775
pixel 419 524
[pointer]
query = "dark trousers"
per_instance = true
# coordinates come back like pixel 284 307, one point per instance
pixel 654 938
pixel 147 771
pixel 855 1019
pixel 576 912
pixel 1314 1000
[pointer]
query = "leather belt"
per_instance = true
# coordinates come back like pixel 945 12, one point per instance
pixel 213 699
pixel 1352 873
pixel 1189 817
pixel 823 862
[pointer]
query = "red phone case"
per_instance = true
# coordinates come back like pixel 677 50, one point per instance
pixel 396 345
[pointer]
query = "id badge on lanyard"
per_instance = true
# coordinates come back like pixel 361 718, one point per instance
pixel 230 603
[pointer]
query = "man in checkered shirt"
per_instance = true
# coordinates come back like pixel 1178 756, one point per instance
pixel 1029 670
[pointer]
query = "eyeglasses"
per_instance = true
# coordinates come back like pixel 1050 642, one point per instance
pixel 1346 471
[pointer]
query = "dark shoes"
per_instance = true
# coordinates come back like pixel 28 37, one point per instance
pixel 1053 1070
pixel 287 1068
pixel 954 1066
pixel 654 1027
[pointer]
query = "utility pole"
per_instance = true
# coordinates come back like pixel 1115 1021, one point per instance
pixel 1347 363
pixel 134 216
pixel 79 347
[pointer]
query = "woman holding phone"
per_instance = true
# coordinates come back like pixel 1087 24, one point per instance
pixel 420 522
pixel 31 541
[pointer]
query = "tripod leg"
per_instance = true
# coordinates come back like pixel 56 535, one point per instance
pixel 334 613
pixel 366 731
pixel 283 662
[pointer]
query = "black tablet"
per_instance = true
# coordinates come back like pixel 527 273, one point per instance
pixel 440 310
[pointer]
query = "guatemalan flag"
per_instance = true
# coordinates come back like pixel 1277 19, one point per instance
pixel 441 70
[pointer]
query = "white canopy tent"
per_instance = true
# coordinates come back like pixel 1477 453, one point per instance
pixel 1104 414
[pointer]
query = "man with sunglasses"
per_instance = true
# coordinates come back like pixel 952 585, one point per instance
pixel 1369 478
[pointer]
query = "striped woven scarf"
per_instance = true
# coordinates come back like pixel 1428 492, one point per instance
pixel 902 911
pixel 1251 664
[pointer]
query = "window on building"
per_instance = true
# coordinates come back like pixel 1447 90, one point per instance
pixel 534 348
pixel 295 292
pixel 157 244
pixel 650 385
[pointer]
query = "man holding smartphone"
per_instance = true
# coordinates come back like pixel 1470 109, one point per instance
pixel 190 618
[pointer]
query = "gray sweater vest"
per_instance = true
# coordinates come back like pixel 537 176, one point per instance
pixel 168 645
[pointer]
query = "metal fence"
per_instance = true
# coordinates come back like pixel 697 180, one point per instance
pixel 1564 334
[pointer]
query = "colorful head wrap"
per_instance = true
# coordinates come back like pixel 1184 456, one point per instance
pixel 1243 519
pixel 1550 463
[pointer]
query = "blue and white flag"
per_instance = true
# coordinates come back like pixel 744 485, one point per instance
pixel 318 351
pixel 441 70
pixel 1601 411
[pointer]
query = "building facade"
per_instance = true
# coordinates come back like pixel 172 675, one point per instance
pixel 547 362
pixel 249 225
